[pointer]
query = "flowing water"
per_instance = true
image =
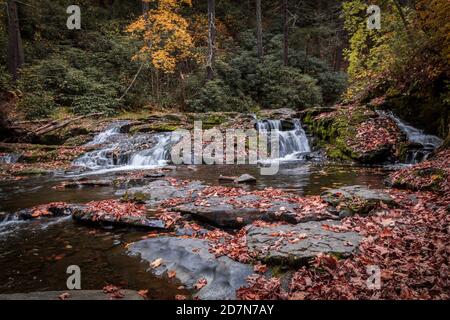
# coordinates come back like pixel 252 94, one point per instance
pixel 422 144
pixel 34 255
pixel 293 142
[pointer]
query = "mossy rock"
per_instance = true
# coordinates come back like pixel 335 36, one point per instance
pixel 154 127
pixel 138 197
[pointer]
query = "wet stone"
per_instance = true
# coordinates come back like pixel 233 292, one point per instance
pixel 357 199
pixel 82 214
pixel 192 261
pixel 160 190
pixel 298 244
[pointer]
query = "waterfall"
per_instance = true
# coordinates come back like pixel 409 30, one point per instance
pixel 104 136
pixel 153 156
pixel 425 143
pixel 121 152
pixel 292 141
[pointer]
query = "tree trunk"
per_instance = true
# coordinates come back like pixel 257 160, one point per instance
pixel 211 39
pixel 403 18
pixel 15 47
pixel 259 32
pixel 285 34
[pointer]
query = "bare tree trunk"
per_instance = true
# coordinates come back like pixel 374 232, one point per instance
pixel 15 47
pixel 259 32
pixel 405 23
pixel 211 39
pixel 285 33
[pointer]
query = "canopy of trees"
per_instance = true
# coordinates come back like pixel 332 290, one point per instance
pixel 226 55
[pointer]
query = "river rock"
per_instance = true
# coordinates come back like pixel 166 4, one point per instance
pixel 83 214
pixel 245 178
pixel 192 261
pixel 50 210
pixel 235 212
pixel 217 211
pixel 296 245
pixel 357 199
pixel 161 190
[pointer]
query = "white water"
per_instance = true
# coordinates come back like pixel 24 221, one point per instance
pixel 104 136
pixel 292 143
pixel 429 142
pixel 119 151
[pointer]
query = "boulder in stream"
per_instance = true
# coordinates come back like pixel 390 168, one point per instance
pixel 245 178
pixel 298 244
pixel 191 262
pixel 88 215
pixel 357 199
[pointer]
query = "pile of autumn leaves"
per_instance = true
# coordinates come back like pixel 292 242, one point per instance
pixel 375 134
pixel 432 175
pixel 409 244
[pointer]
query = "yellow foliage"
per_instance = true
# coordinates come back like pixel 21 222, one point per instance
pixel 165 33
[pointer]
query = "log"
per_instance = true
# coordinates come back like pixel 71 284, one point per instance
pixel 58 125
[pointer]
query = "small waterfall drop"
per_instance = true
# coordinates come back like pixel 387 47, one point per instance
pixel 119 151
pixel 293 141
pixel 425 143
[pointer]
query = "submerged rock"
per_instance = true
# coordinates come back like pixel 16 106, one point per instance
pixel 296 245
pixel 357 199
pixel 84 183
pixel 191 261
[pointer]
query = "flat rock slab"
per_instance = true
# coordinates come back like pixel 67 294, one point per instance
pixel 84 215
pixel 73 295
pixel 357 199
pixel 235 212
pixel 296 245
pixel 219 212
pixel 192 261
pixel 161 190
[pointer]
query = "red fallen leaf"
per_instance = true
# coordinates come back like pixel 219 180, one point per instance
pixel 260 268
pixel 109 288
pixel 171 274
pixel 180 297
pixel 200 283
pixel 143 293
pixel 64 296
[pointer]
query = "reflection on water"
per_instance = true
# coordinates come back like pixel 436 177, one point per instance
pixel 34 255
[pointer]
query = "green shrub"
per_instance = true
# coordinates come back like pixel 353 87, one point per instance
pixel 37 105
pixel 94 103
pixel 285 87
pixel 217 96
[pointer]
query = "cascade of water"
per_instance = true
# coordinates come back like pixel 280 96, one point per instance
pixel 426 143
pixel 119 150
pixel 292 142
